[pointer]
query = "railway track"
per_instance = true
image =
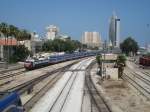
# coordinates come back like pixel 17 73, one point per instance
pixel 63 95
pixel 140 71
pixel 63 101
pixel 11 73
pixel 140 77
pixel 8 75
pixel 12 69
pixel 30 103
pixel 146 73
pixel 29 84
pixel 139 87
pixel 98 104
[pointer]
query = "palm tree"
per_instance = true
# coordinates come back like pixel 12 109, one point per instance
pixel 13 30
pixel 23 35
pixel 121 63
pixel 5 30
pixel 13 33
pixel 26 35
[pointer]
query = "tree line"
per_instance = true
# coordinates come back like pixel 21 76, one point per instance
pixel 13 31
pixel 59 45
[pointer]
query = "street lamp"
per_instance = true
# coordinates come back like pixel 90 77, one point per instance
pixel 104 51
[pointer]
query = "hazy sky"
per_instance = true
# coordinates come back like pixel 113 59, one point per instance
pixel 73 17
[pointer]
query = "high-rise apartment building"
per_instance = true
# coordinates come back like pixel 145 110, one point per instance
pixel 91 39
pixel 114 31
pixel 52 32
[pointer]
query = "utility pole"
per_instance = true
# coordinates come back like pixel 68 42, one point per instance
pixel 148 42
pixel 104 51
pixel 6 52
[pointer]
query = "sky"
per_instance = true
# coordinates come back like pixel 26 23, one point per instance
pixel 73 17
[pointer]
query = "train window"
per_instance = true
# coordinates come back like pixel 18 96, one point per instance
pixel 19 102
pixel 3 94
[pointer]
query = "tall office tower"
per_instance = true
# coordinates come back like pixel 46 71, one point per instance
pixel 91 39
pixel 114 31
pixel 52 32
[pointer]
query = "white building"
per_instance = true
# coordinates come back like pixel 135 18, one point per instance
pixel 34 44
pixel 148 48
pixel 52 32
pixel 91 39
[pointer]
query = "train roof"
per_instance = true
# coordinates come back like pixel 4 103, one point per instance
pixel 32 59
pixel 6 98
pixel 29 60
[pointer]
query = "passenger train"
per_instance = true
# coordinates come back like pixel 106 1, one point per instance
pixel 30 64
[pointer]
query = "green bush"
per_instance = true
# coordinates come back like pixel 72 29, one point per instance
pixel 121 59
pixel 58 45
pixel 20 54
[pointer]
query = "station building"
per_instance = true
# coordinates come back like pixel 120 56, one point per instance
pixel 34 45
pixel 6 43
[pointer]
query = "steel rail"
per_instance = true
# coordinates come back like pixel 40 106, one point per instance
pixel 137 86
pixel 146 81
pixel 8 70
pixel 29 84
pixel 63 89
pixel 97 98
pixel 12 74
pixel 29 104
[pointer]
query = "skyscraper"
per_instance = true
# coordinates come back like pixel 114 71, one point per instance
pixel 114 31
pixel 91 39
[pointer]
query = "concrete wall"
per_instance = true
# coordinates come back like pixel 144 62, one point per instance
pixel 109 56
pixel 1 52
pixel 112 72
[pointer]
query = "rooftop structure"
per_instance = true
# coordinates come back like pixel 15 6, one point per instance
pixel 52 32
